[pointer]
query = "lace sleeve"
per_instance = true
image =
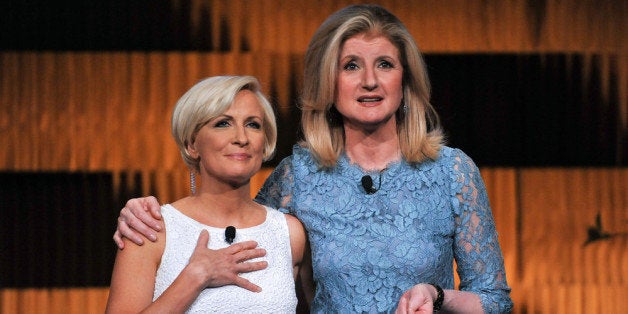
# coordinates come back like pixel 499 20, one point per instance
pixel 476 248
pixel 277 189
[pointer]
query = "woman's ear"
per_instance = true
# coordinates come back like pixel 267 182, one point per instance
pixel 191 150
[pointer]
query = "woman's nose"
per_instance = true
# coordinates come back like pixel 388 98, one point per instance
pixel 369 79
pixel 240 137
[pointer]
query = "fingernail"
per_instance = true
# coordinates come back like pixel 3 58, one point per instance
pixel 158 227
pixel 152 237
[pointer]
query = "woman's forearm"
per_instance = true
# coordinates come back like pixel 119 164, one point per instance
pixel 457 301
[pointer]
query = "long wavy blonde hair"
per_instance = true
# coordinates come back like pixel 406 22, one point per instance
pixel 418 126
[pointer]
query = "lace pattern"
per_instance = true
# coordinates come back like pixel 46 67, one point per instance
pixel 277 281
pixel 368 249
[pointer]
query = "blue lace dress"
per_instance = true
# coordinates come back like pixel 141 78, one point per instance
pixel 368 249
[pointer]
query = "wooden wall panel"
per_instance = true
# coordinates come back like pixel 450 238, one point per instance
pixel 108 111
pixel 560 271
pixel 439 26
pixel 55 105
pixel 61 301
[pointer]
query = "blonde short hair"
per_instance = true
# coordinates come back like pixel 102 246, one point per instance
pixel 418 126
pixel 210 98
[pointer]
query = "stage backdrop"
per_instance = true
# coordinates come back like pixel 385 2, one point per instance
pixel 534 91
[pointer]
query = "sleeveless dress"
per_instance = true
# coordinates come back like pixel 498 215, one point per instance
pixel 277 282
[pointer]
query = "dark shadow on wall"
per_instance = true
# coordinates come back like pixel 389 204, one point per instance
pixel 56 227
pixel 529 109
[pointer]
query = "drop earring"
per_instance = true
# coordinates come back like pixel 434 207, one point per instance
pixel 330 115
pixel 333 116
pixel 402 111
pixel 193 182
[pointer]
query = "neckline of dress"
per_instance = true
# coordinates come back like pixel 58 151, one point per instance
pixel 354 169
pixel 209 227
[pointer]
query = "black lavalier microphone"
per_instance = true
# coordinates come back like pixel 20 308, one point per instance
pixel 230 234
pixel 367 184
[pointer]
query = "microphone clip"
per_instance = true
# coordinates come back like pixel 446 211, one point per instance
pixel 230 234
pixel 367 184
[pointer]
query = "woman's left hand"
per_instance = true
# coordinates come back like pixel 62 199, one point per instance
pixel 419 299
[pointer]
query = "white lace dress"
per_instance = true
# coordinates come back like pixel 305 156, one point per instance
pixel 277 282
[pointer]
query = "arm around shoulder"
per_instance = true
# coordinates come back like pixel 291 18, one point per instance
pixel 139 218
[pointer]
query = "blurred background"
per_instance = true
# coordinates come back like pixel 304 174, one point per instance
pixel 534 91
